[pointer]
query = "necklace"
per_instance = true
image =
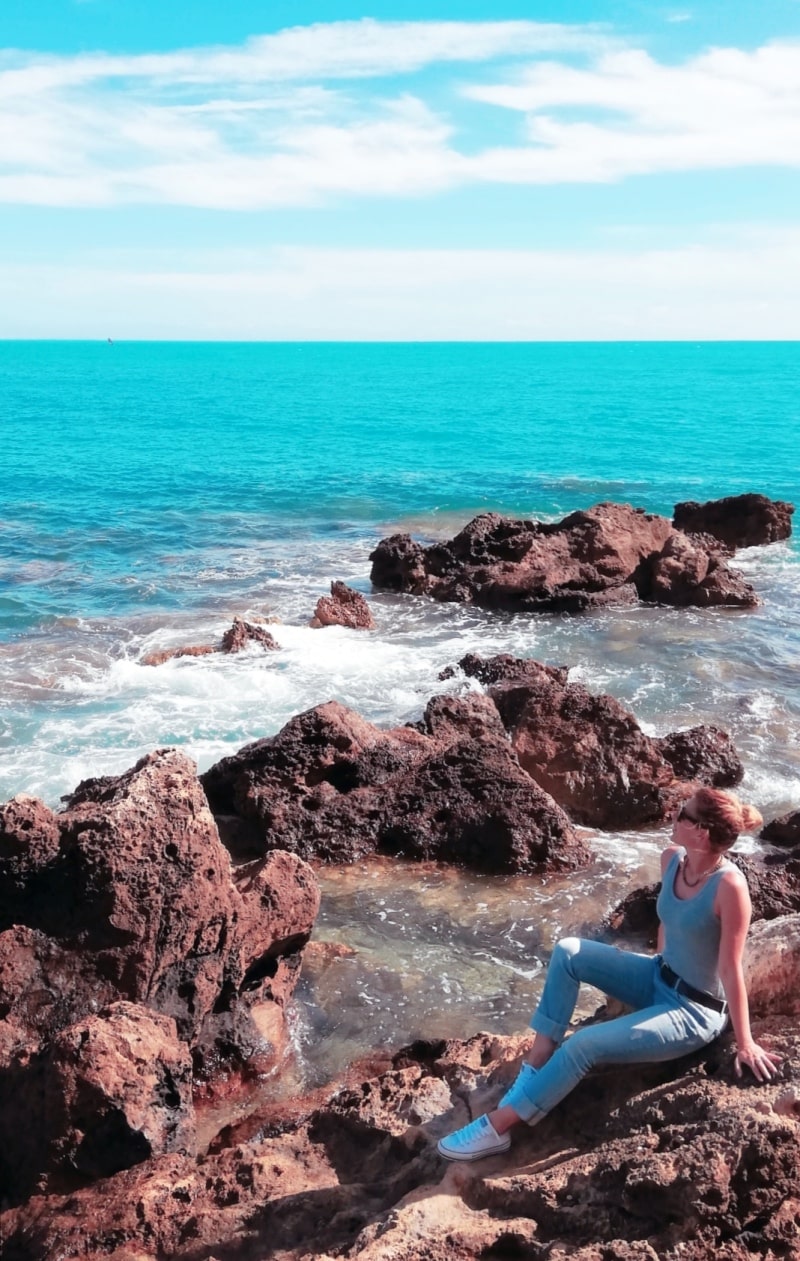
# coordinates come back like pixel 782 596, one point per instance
pixel 692 884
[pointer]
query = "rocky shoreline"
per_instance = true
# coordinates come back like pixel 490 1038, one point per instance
pixel 152 934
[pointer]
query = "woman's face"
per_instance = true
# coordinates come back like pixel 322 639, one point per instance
pixel 689 831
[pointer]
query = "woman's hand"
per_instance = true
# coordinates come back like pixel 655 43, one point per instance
pixel 763 1064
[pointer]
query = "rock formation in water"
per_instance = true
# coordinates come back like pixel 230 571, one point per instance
pixel 669 1162
pixel 343 607
pixel 333 787
pixel 738 520
pixel 122 925
pixel 611 554
pixel 239 635
pixel 784 830
pixel 590 753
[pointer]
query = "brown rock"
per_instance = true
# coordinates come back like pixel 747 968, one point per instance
pixel 738 520
pixel 705 754
pixel 108 1092
pixel 343 607
pixel 331 786
pixel 610 554
pixel 169 654
pixel 784 830
pixel 136 900
pixel 242 634
pixel 663 1160
pixel 589 752
pixel 685 573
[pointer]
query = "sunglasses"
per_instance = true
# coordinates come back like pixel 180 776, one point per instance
pixel 684 816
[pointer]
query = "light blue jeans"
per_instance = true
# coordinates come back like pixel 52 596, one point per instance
pixel 663 1026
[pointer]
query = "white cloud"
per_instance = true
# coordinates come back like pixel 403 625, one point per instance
pixel 748 287
pixel 293 120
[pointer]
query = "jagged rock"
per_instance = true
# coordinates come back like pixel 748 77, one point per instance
pixel 705 754
pixel 242 634
pixel 772 966
pixel 108 1092
pixel 332 786
pixel 129 894
pixel 611 554
pixel 784 830
pixel 664 1160
pixel 738 520
pixel 589 752
pixel 343 607
pixel 685 573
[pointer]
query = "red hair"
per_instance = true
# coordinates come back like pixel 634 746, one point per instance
pixel 724 815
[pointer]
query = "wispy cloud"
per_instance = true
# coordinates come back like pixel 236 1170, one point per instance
pixel 325 111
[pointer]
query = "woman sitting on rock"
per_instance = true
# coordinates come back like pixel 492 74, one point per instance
pixel 681 997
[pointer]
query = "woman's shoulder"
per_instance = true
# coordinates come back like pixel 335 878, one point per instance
pixel 667 855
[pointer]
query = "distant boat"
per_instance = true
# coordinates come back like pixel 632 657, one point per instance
pixel 110 341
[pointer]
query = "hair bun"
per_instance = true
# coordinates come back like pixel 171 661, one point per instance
pixel 751 818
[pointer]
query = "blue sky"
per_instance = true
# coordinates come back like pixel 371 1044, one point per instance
pixel 243 170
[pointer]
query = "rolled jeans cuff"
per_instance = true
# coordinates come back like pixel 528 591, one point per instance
pixel 519 1098
pixel 543 1024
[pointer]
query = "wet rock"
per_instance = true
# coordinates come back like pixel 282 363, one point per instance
pixel 108 1092
pixel 171 654
pixel 611 554
pixel 343 607
pixel 738 520
pixel 705 754
pixel 503 668
pixel 332 786
pixel 243 634
pixel 686 573
pixel 239 635
pixel 784 830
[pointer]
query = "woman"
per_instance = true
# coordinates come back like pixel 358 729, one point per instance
pixel 682 997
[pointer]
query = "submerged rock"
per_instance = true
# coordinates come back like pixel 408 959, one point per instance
pixel 737 520
pixel 332 786
pixel 239 635
pixel 343 607
pixel 611 554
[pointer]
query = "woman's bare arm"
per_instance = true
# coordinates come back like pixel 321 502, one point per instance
pixel 735 910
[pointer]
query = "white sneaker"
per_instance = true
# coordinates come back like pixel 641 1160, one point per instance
pixel 475 1140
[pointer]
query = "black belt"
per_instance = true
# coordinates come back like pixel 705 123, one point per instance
pixel 683 987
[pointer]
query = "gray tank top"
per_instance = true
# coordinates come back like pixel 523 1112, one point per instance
pixel 691 930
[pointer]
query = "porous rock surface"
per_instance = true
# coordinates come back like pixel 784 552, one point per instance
pixel 332 786
pixel 611 554
pixel 664 1162
pixel 738 520
pixel 122 923
pixel 590 753
pixel 343 607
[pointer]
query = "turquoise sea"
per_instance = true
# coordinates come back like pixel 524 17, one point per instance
pixel 150 491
